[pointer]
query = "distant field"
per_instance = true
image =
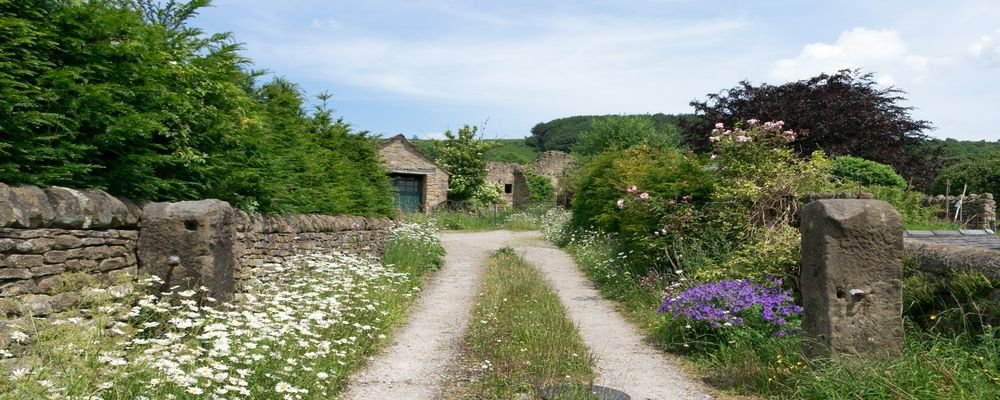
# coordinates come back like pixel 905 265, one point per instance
pixel 510 150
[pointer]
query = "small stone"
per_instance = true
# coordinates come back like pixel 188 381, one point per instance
pixel 64 301
pixel 96 253
pixel 65 242
pixel 18 288
pixel 15 273
pixel 38 305
pixel 50 284
pixel 25 261
pixel 49 269
pixel 111 263
pixel 55 257
pixel 129 235
pixel 7 244
pixel 92 241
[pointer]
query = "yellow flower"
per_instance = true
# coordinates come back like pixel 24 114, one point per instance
pixel 933 317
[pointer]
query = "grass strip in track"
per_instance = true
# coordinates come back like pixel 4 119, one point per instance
pixel 520 341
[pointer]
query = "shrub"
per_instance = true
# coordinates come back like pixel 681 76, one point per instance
pixel 540 189
pixel 866 172
pixel 661 173
pixel 982 176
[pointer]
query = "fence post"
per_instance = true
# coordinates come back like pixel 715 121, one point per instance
pixel 851 278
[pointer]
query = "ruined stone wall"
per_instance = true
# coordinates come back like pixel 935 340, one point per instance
pixel 552 164
pixel 265 241
pixel 509 174
pixel 55 241
pixel 979 211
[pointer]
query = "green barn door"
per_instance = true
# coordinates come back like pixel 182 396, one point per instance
pixel 408 193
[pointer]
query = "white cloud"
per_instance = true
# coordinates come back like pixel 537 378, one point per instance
pixel 987 49
pixel 575 63
pixel 880 51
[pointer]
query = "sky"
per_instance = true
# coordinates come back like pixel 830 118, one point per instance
pixel 422 67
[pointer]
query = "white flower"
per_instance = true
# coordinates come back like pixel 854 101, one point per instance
pixel 322 375
pixel 19 336
pixel 282 387
pixel 18 373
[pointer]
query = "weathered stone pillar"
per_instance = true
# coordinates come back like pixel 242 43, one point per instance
pixel 190 244
pixel 851 278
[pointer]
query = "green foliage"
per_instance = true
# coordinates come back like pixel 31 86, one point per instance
pixel 561 134
pixel 955 151
pixel 866 172
pixel 619 132
pixel 463 155
pixel 665 174
pixel 982 176
pixel 908 203
pixel 502 150
pixel 511 151
pixel 129 97
pixel 540 189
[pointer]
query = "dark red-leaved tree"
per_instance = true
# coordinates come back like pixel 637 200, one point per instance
pixel 844 113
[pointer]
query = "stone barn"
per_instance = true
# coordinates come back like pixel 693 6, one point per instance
pixel 420 184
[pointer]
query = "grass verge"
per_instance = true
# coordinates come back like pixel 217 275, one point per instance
pixel 295 333
pixel 520 340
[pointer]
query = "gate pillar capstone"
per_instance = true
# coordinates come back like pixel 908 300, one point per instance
pixel 190 244
pixel 851 278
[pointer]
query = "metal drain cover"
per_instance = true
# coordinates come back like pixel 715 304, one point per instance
pixel 581 392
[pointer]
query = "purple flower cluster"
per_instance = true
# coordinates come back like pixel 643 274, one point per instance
pixel 723 303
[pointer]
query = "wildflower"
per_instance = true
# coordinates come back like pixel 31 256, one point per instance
pixel 18 373
pixel 282 387
pixel 18 336
pixel 742 138
pixel 752 121
pixel 644 196
pixel 713 139
pixel 712 157
pixel 632 189
pixel 620 203
pixel 719 125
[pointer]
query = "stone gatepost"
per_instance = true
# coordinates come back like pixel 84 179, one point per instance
pixel 190 244
pixel 851 278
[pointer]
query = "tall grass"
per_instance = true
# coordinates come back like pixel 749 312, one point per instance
pixel 527 219
pixel 520 341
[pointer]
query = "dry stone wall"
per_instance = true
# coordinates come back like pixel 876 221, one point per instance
pixel 57 240
pixel 54 240
pixel 265 241
pixel 979 211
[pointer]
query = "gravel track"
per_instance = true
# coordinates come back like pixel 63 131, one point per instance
pixel 624 360
pixel 417 363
